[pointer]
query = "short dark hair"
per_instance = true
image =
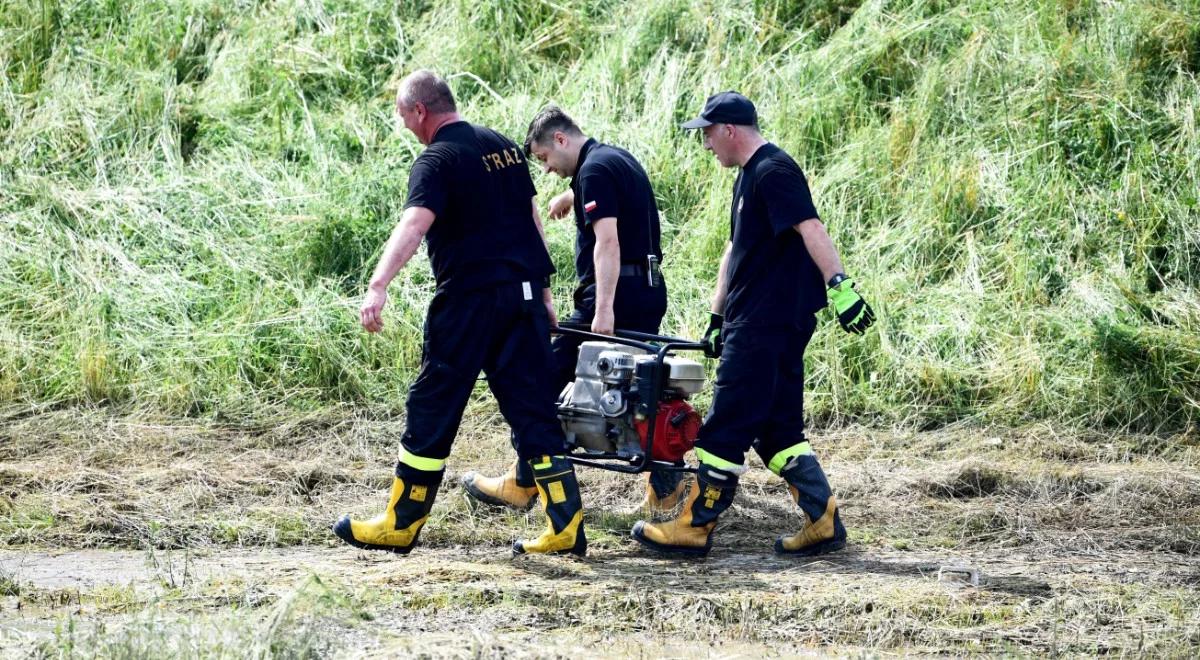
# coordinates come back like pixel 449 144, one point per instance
pixel 428 88
pixel 550 120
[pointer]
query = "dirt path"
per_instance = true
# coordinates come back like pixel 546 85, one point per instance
pixel 1013 573
pixel 206 542
pixel 457 600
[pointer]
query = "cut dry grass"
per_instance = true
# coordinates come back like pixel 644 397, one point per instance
pixel 215 539
pixel 71 480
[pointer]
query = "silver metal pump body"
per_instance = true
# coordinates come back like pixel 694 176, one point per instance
pixel 596 411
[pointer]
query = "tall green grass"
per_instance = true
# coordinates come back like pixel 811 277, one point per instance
pixel 192 193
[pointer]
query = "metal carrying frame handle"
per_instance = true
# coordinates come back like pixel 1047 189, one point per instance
pixel 650 343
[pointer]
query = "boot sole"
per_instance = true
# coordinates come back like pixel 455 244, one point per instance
pixel 480 496
pixel 342 531
pixel 519 549
pixel 822 548
pixel 688 551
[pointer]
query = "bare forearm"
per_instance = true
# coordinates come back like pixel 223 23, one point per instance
pixel 718 301
pixel 537 221
pixel 401 245
pixel 607 258
pixel 820 248
pixel 561 205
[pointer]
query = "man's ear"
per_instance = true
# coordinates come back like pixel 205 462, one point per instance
pixel 560 138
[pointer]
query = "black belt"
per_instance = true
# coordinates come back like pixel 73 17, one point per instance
pixel 627 270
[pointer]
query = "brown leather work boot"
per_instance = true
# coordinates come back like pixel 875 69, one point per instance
pixel 664 491
pixel 691 532
pixel 823 531
pixel 509 490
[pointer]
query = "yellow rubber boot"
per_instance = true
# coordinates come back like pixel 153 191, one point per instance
pixel 664 490
pixel 558 490
pixel 399 526
pixel 691 532
pixel 823 531
pixel 514 489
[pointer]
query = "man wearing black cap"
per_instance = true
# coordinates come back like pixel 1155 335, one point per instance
pixel 617 254
pixel 471 198
pixel 771 282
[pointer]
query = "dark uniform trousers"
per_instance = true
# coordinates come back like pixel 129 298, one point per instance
pixel 507 336
pixel 637 306
pixel 759 396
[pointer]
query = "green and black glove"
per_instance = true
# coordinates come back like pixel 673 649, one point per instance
pixel 853 312
pixel 713 337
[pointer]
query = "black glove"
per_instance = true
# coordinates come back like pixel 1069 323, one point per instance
pixel 713 337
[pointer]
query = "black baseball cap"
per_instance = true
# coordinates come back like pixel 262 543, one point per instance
pixel 725 108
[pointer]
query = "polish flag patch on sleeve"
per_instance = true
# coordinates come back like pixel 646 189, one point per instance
pixel 589 207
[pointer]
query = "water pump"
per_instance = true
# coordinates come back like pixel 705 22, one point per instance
pixel 608 407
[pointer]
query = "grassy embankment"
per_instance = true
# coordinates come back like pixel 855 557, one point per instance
pixel 193 193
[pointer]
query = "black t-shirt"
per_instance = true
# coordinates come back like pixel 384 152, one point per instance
pixel 772 278
pixel 477 184
pixel 610 183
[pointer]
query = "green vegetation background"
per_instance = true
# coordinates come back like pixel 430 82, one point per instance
pixel 193 193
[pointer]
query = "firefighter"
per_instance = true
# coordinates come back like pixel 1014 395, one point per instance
pixel 470 196
pixel 617 257
pixel 778 268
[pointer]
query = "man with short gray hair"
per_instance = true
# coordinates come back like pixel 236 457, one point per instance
pixel 428 89
pixel 470 196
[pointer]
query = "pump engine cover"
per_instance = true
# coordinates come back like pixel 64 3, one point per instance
pixel 675 429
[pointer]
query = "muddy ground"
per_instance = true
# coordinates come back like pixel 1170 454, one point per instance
pixel 130 538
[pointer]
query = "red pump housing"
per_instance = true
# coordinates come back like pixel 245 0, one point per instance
pixel 675 430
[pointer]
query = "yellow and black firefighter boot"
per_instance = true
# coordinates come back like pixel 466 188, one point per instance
pixel 554 478
pixel 691 532
pixel 664 490
pixel 514 489
pixel 823 531
pixel 397 528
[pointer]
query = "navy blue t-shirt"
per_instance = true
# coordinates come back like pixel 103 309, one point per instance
pixel 478 186
pixel 772 278
pixel 610 183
